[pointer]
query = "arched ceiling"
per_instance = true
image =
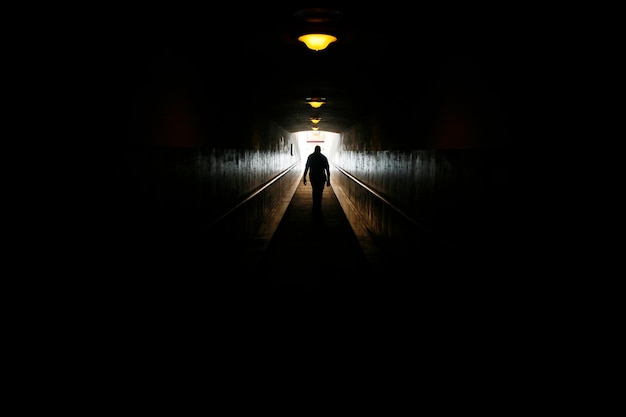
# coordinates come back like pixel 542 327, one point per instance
pixel 248 55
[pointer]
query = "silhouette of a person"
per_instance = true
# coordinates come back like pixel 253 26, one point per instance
pixel 319 173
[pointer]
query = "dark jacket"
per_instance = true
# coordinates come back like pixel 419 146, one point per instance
pixel 317 165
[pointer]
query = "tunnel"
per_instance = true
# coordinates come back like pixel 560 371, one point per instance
pixel 206 129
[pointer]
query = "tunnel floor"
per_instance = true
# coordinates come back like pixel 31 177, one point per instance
pixel 302 270
pixel 311 251
pixel 305 259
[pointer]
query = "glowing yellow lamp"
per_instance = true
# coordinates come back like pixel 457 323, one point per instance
pixel 317 41
pixel 316 102
pixel 315 120
pixel 315 127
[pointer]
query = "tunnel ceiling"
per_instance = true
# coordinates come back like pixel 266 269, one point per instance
pixel 247 56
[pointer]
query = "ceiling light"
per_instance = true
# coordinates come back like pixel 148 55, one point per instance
pixel 317 26
pixel 317 41
pixel 315 127
pixel 316 120
pixel 316 102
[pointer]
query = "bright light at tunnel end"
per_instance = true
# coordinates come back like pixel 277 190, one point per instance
pixel 307 140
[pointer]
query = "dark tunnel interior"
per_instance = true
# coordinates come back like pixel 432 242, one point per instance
pixel 195 109
pixel 173 245
pixel 193 116
pixel 180 233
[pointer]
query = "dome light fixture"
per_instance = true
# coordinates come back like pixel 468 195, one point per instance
pixel 317 41
pixel 315 120
pixel 317 27
pixel 316 102
pixel 315 127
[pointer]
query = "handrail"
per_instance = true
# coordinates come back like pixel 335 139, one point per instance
pixel 241 203
pixel 392 206
pixel 254 194
pixel 380 197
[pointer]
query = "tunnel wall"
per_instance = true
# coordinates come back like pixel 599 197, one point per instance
pixel 439 164
pixel 181 163
pixel 453 200
pixel 168 197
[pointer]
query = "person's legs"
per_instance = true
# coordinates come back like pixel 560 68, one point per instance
pixel 318 190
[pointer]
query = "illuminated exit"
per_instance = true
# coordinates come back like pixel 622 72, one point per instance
pixel 307 140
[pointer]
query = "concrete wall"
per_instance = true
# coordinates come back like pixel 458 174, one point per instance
pixel 431 200
pixel 170 194
pixel 437 167
pixel 179 158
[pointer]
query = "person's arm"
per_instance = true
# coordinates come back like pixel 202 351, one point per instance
pixel 327 175
pixel 306 169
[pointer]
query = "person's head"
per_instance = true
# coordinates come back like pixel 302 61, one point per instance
pixel 318 148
